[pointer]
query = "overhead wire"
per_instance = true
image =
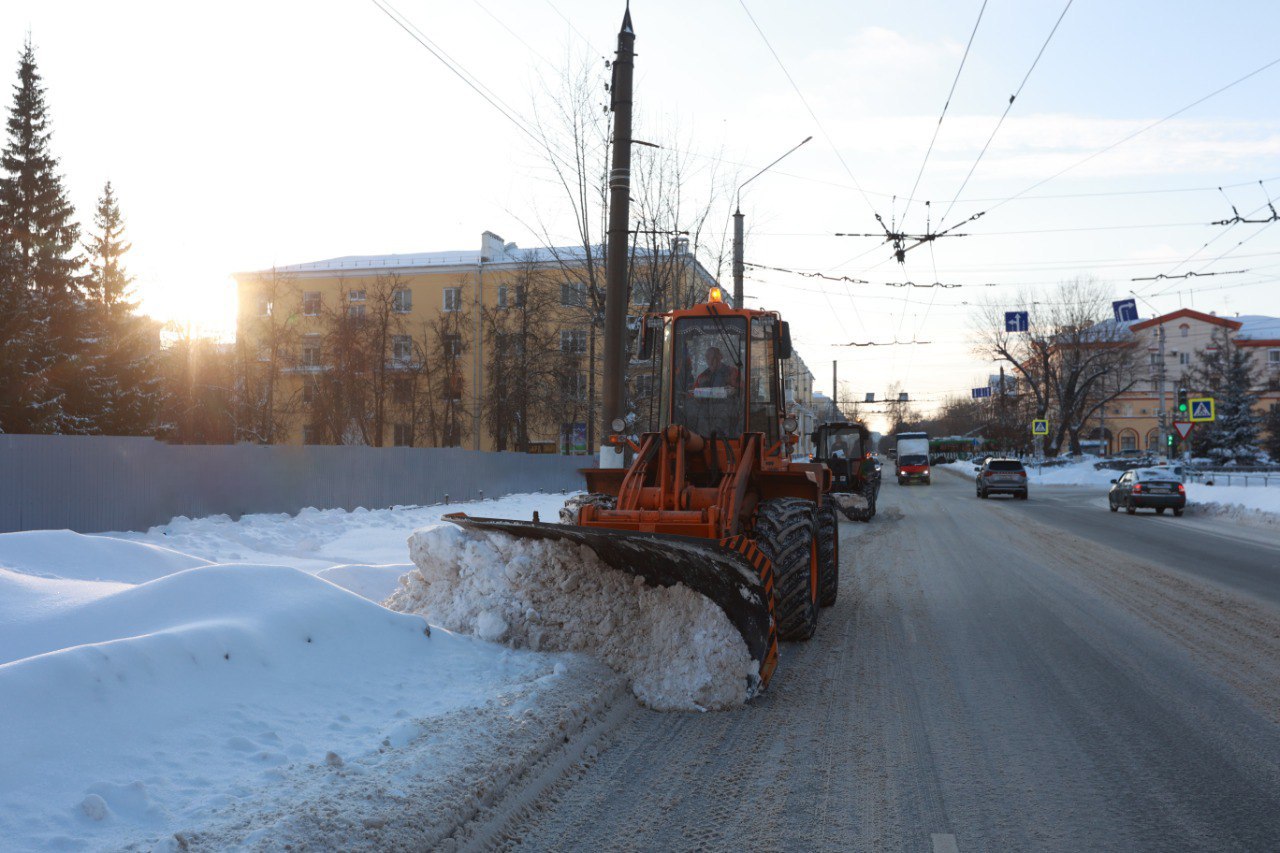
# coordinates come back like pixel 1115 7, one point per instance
pixel 943 115
pixel 805 101
pixel 1005 114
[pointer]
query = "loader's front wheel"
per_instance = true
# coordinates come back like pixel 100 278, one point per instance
pixel 569 512
pixel 828 554
pixel 785 531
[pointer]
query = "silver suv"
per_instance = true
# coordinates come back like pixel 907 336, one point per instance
pixel 1002 476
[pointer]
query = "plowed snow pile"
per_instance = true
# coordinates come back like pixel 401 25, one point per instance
pixel 678 649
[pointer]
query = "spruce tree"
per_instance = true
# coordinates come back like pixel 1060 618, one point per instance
pixel 40 240
pixel 124 353
pixel 1226 373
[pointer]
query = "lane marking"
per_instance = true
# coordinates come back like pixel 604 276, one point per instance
pixel 944 843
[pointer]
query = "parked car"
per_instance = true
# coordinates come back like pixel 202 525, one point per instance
pixel 1001 476
pixel 1148 488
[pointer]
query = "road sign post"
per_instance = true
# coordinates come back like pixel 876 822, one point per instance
pixel 1202 409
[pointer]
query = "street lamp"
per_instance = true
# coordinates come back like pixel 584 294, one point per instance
pixel 737 225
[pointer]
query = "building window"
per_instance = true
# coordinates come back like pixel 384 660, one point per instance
pixel 310 435
pixel 403 436
pixel 1273 358
pixel 308 393
pixel 453 299
pixel 574 385
pixel 355 303
pixel 310 351
pixel 1155 359
pixel 402 391
pixel 402 348
pixel 1128 441
pixel 511 297
pixel 264 306
pixel 1184 358
pixel 452 345
pixel 573 293
pixel 402 301
pixel 452 387
pixel 1184 330
pixel 573 341
pixel 311 303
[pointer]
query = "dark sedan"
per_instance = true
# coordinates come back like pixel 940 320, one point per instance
pixel 1148 489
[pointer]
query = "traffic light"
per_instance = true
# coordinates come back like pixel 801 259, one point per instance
pixel 1168 439
pixel 1182 401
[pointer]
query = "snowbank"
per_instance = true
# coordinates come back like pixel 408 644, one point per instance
pixel 151 694
pixel 677 649
pixel 75 556
pixel 163 702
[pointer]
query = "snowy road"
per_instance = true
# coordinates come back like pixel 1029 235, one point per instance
pixel 988 680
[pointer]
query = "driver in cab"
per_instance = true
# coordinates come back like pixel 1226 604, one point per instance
pixel 717 375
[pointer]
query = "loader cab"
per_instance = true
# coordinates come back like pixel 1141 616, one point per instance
pixel 721 370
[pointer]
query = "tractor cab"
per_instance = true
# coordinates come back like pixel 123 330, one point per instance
pixel 845 448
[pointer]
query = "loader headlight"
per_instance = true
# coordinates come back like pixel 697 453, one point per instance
pixel 618 425
pixel 790 424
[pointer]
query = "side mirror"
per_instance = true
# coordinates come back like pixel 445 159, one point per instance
pixel 784 340
pixel 1115 481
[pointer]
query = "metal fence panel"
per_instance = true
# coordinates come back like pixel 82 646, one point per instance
pixel 95 483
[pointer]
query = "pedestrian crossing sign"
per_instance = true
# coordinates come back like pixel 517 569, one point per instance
pixel 1202 409
pixel 1040 426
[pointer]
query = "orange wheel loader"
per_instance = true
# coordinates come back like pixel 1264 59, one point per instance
pixel 712 498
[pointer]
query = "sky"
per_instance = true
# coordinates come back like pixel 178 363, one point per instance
pixel 244 135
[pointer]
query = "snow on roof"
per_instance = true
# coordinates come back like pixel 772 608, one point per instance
pixel 509 254
pixel 1258 327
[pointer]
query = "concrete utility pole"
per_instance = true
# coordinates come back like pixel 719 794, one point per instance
pixel 835 392
pixel 737 258
pixel 616 296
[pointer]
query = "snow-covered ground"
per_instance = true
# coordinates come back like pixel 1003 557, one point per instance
pixel 1254 504
pixel 217 683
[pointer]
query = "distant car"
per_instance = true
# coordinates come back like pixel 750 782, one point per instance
pixel 1148 488
pixel 1001 477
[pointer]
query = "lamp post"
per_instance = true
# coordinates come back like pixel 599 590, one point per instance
pixel 1162 420
pixel 737 226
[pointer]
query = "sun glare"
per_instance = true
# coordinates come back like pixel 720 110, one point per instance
pixel 203 308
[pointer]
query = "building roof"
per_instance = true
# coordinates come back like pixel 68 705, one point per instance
pixel 509 253
pixel 1258 330
pixel 1189 313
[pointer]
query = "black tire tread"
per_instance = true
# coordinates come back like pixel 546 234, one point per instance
pixel 785 528
pixel 828 554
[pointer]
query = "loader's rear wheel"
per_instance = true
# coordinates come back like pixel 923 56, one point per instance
pixel 569 512
pixel 785 531
pixel 828 554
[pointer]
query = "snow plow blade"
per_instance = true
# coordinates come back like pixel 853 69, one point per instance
pixel 731 572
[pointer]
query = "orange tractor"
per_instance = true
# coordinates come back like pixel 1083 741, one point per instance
pixel 711 498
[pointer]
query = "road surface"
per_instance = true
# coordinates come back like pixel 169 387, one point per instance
pixel 996 675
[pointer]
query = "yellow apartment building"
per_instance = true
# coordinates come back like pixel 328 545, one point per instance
pixel 1130 423
pixel 489 349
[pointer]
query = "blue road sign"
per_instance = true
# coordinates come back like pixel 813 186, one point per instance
pixel 1125 310
pixel 1202 409
pixel 1016 321
pixel 981 392
pixel 1040 426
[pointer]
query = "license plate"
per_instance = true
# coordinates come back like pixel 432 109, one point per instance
pixel 1162 489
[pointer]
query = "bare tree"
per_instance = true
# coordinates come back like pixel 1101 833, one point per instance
pixel 1073 360
pixel 526 372
pixel 265 350
pixel 573 137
